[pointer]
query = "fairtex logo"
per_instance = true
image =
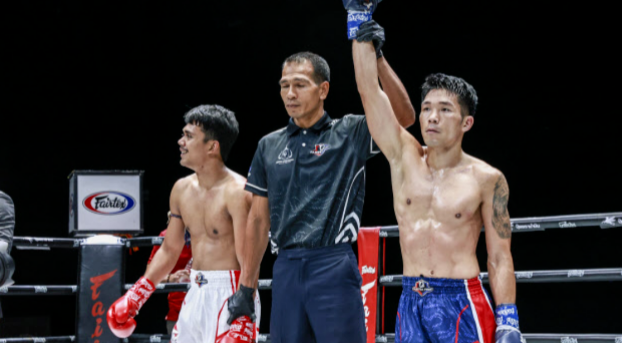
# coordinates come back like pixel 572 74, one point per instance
pixel 99 310
pixel 109 203
pixel 364 290
pixel 320 149
pixel 368 270
pixel 506 311
pixel 358 16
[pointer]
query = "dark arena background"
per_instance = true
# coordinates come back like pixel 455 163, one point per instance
pixel 104 85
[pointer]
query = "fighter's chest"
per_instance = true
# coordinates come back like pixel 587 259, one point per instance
pixel 203 208
pixel 454 193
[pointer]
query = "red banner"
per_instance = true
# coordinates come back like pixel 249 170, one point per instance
pixel 368 244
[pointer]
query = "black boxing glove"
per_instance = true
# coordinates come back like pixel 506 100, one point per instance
pixel 241 304
pixel 371 31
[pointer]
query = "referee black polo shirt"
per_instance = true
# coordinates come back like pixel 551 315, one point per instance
pixel 315 181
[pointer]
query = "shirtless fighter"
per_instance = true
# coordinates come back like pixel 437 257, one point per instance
pixel 442 197
pixel 213 205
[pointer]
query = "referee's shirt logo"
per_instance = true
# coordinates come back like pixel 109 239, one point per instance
pixel 285 156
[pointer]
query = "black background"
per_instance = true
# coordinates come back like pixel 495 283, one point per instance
pixel 104 85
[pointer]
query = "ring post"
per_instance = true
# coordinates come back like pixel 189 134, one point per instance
pixel 379 297
pixel 100 281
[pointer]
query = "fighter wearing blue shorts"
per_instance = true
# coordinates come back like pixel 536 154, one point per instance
pixel 442 198
pixel 307 181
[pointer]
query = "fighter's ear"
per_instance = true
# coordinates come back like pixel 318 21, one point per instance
pixel 213 146
pixel 467 123
pixel 324 88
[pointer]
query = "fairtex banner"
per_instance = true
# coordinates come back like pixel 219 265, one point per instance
pixel 368 244
pixel 100 283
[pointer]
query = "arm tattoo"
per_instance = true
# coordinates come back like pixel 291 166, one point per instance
pixel 501 217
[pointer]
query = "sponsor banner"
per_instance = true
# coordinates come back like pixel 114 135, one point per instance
pixel 386 278
pixel 368 245
pixel 566 225
pixel 524 275
pixel 109 203
pixel 576 273
pixel 526 226
pixel 611 222
pixel 106 203
pixel 101 268
pixel 265 283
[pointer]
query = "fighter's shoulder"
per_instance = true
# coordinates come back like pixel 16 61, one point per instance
pixel 184 183
pixel 487 175
pixel 7 209
pixel 235 182
pixel 5 199
pixel 234 188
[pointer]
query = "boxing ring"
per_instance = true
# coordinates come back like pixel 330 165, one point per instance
pixel 603 221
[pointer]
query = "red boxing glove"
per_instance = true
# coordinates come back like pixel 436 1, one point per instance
pixel 242 330
pixel 121 314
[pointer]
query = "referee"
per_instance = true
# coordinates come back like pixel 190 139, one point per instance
pixel 308 185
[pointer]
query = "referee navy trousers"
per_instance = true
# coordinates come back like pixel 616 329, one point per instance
pixel 316 296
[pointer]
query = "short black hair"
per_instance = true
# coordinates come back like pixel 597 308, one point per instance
pixel 218 123
pixel 467 96
pixel 321 71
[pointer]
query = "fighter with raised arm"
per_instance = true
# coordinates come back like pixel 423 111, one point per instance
pixel 213 205
pixel 442 197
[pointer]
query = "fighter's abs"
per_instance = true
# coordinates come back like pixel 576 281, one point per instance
pixel 439 220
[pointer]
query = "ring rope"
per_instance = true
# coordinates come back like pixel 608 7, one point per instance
pixel 45 243
pixel 602 220
pixel 562 275
pixel 536 276
pixel 386 338
pixel 542 338
pixel 58 339
pixel 38 290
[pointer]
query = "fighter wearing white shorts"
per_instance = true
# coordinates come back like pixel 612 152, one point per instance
pixel 213 205
pixel 198 320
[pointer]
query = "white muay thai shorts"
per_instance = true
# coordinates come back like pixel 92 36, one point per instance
pixel 203 316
